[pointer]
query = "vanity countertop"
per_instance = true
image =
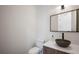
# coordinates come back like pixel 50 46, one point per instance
pixel 72 49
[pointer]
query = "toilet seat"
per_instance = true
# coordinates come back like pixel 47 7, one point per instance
pixel 34 50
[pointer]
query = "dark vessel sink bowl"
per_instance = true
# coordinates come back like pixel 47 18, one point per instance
pixel 63 43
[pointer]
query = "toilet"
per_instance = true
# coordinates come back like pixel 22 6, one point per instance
pixel 35 50
pixel 38 49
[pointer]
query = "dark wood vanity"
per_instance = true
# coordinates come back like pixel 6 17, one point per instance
pixel 47 50
pixel 51 47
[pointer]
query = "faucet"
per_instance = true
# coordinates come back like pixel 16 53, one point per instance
pixel 62 36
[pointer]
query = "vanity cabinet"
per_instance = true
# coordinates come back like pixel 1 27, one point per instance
pixel 51 47
pixel 47 50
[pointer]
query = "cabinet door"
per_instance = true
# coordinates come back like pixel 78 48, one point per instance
pixel 60 52
pixel 47 50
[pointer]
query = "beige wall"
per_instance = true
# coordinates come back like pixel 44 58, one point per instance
pixel 17 28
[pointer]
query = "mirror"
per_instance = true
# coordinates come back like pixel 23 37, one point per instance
pixel 64 22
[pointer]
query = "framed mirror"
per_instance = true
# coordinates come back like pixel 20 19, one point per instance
pixel 65 22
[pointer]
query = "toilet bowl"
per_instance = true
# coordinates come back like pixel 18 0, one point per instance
pixel 37 49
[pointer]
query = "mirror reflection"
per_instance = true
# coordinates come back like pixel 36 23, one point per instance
pixel 67 21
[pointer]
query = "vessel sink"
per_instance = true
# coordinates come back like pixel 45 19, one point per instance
pixel 62 43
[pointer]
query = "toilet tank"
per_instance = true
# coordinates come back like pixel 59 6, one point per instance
pixel 39 43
